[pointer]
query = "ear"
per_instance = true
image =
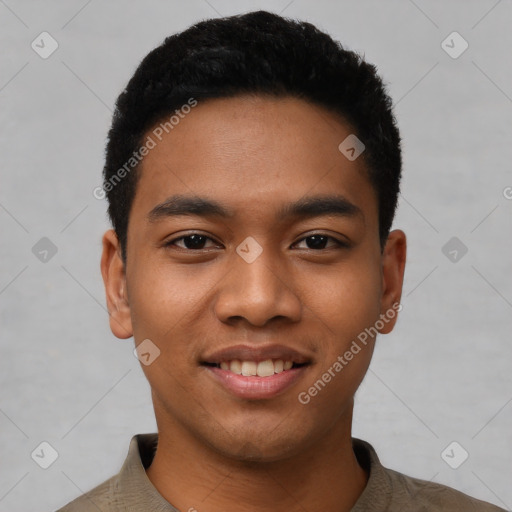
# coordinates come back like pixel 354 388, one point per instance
pixel 114 279
pixel 393 267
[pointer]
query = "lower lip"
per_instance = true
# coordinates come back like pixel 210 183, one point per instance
pixel 257 388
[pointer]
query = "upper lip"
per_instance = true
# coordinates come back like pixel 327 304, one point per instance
pixel 257 354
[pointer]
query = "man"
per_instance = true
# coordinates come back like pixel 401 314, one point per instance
pixel 252 173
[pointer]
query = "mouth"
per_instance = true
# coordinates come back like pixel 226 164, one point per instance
pixel 256 373
pixel 265 368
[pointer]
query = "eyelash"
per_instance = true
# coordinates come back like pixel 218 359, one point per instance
pixel 339 243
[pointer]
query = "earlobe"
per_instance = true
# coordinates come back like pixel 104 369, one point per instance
pixel 393 267
pixel 114 279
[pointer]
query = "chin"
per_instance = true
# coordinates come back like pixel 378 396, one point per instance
pixel 268 445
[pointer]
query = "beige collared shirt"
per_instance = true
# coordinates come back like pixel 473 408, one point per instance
pixel 386 490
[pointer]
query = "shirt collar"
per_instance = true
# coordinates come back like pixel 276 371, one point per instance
pixel 134 484
pixel 377 494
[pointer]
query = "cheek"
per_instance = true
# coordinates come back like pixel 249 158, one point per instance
pixel 165 303
pixel 160 298
pixel 346 299
pixel 346 310
pixel 150 307
pixel 349 304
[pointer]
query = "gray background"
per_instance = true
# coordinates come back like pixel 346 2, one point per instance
pixel 443 375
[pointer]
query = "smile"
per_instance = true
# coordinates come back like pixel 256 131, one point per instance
pixel 264 368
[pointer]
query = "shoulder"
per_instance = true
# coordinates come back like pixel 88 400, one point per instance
pixel 101 497
pixel 422 495
pixel 392 491
pixel 130 489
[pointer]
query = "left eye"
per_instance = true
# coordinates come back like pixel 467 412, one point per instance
pixel 318 242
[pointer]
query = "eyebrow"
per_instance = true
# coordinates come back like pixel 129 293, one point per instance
pixel 315 206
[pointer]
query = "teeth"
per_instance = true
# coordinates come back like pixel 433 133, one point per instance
pixel 265 368
pixel 278 366
pixel 236 366
pixel 251 368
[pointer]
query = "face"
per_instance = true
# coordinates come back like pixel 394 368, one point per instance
pixel 253 265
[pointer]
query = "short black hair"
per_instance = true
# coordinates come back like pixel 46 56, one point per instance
pixel 254 53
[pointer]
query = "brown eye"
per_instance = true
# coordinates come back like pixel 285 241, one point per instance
pixel 192 242
pixel 316 241
pixel 320 241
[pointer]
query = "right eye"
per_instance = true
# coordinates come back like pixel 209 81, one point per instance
pixel 194 241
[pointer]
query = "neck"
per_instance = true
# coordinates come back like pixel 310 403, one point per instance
pixel 323 476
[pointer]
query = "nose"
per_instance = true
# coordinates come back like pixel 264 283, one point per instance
pixel 258 292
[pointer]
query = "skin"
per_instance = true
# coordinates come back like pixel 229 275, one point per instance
pixel 253 154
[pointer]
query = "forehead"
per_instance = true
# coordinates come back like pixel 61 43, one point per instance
pixel 252 152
